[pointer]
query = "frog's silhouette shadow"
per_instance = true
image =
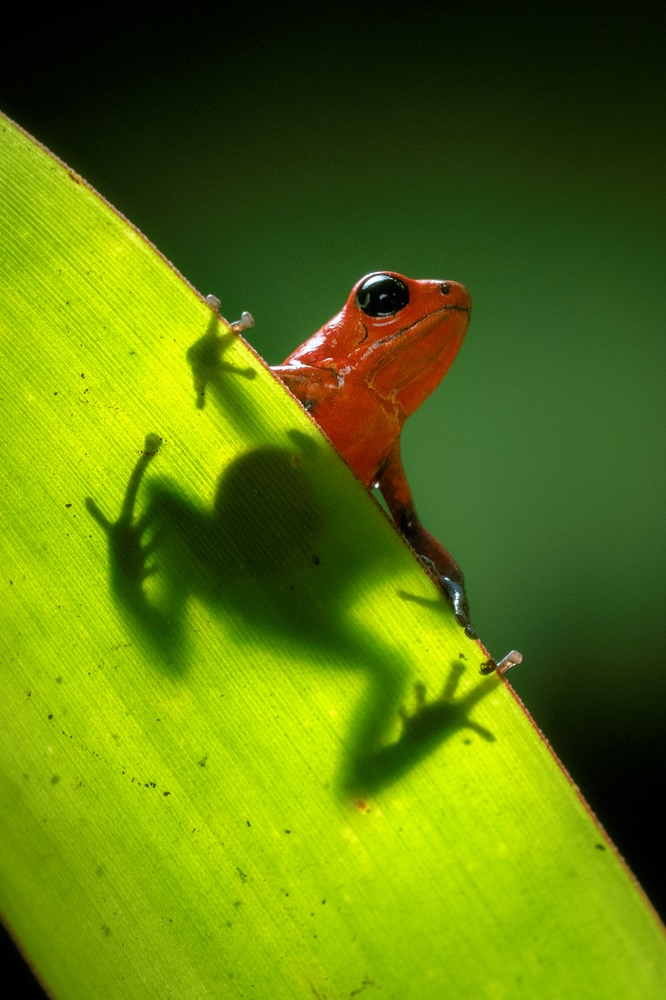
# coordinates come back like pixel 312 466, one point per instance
pixel 286 575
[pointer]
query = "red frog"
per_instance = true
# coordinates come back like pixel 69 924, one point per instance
pixel 365 372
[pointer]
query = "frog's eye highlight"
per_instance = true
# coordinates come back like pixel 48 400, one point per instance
pixel 382 295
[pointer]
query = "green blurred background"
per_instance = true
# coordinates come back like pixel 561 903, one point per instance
pixel 275 156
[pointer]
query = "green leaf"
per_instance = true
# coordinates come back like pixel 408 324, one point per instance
pixel 209 637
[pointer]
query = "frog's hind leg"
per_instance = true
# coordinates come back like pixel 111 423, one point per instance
pixel 445 570
pixel 380 763
pixel 377 721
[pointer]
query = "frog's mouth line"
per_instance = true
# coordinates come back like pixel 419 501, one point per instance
pixel 406 329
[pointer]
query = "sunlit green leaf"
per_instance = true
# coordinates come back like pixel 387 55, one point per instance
pixel 209 639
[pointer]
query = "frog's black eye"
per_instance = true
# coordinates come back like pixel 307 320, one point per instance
pixel 382 295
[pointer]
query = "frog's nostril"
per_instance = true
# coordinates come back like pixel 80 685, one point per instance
pixel 445 287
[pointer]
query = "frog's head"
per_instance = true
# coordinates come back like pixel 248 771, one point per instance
pixel 396 335
pixel 403 334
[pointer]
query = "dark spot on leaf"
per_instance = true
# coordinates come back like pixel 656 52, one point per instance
pixel 600 847
pixel 364 985
pixel 55 778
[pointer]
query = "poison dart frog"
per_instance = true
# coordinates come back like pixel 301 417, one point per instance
pixel 364 372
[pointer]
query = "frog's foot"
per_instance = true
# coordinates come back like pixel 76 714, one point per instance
pixel 214 303
pixel 246 322
pixel 125 534
pixel 454 592
pixel 205 355
pixel 442 713
pixel 457 598
pixel 511 659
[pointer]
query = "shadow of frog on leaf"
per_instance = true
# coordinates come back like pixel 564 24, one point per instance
pixel 267 558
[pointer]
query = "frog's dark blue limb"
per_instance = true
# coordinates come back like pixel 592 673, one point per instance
pixel 392 481
pixel 454 591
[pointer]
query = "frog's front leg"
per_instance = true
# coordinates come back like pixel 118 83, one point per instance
pixel 124 534
pixel 423 731
pixel 128 554
pixel 395 490
pixel 309 385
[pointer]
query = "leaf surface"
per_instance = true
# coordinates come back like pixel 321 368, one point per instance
pixel 209 635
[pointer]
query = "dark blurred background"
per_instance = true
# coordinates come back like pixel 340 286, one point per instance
pixel 277 155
